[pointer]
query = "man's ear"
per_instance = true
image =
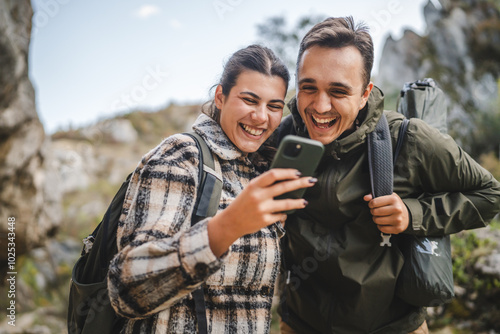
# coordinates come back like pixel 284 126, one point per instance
pixel 219 97
pixel 366 95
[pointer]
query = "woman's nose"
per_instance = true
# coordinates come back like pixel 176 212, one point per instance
pixel 260 113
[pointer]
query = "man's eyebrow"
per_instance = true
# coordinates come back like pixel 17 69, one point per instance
pixel 331 84
pixel 257 97
pixel 340 84
pixel 307 80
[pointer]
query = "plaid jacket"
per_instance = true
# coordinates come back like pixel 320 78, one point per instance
pixel 162 259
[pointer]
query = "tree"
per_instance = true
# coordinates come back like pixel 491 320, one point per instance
pixel 283 40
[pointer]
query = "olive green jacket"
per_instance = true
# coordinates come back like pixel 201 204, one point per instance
pixel 336 278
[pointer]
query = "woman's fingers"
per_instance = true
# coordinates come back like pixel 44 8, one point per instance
pixel 283 205
pixel 275 175
pixel 256 207
pixel 281 188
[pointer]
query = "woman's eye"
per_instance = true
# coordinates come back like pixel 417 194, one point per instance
pixel 308 88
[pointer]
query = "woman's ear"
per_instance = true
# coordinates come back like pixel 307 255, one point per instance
pixel 219 97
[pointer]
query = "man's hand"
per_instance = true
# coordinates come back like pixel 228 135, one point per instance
pixel 389 213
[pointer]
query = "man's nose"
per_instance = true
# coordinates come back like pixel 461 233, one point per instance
pixel 322 103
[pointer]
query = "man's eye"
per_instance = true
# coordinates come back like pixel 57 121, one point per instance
pixel 248 100
pixel 275 107
pixel 338 93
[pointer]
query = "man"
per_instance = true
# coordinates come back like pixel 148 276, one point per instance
pixel 336 276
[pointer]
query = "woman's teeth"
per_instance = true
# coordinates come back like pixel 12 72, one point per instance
pixel 252 131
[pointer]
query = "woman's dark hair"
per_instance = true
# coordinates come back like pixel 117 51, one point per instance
pixel 252 58
pixel 339 32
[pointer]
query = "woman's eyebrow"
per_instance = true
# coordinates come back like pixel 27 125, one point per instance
pixel 257 97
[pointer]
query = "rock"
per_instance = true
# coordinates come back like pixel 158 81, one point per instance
pixel 25 191
pixel 122 131
pixel 402 57
pixel 490 265
pixel 72 163
pixel 114 130
pixel 460 51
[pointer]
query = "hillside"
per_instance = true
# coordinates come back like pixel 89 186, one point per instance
pixel 92 161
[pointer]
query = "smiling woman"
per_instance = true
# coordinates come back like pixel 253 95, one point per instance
pixel 252 110
pixel 249 99
pixel 234 256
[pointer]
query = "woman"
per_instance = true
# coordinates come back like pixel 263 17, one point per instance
pixel 160 254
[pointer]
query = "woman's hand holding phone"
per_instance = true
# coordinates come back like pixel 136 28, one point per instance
pixel 257 206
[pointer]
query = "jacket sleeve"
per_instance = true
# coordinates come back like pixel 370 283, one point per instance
pixel 451 192
pixel 161 258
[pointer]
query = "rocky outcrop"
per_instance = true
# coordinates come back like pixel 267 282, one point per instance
pixel 27 190
pixel 460 50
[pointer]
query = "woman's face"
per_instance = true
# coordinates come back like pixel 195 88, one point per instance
pixel 252 110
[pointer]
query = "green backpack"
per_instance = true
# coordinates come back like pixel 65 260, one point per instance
pixel 426 278
pixel 425 100
pixel 90 309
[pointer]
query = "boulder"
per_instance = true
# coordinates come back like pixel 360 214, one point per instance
pixel 460 51
pixel 27 191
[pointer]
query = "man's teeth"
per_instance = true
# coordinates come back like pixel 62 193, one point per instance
pixel 323 120
pixel 252 131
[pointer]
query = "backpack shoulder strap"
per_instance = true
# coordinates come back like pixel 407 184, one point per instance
pixel 206 205
pixel 401 137
pixel 380 159
pixel 207 201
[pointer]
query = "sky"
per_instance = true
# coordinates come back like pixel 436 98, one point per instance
pixel 94 59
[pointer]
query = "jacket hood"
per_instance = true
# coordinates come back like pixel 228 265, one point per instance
pixel 373 108
pixel 215 138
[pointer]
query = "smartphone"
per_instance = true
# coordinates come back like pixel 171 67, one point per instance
pixel 300 153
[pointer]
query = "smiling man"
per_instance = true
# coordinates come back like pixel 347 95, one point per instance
pixel 336 276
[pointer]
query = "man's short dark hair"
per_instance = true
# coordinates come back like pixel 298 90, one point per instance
pixel 338 32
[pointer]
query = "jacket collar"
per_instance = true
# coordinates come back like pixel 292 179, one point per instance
pixel 374 109
pixel 216 139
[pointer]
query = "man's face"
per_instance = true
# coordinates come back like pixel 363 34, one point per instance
pixel 330 91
